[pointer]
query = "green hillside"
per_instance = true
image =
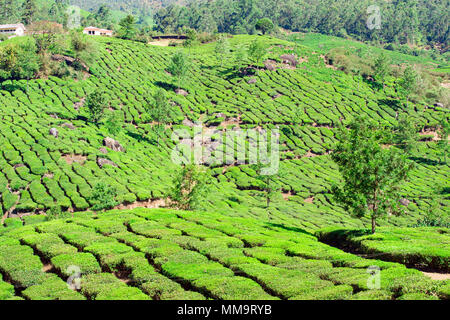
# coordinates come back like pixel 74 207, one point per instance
pixel 325 43
pixel 233 241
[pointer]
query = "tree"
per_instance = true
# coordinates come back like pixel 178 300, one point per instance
pixel 96 103
pixel 113 123
pixel 443 133
pixel 160 111
pixel 29 9
pixel 46 34
pixel 257 51
pixel 240 57
pixel 179 66
pixel 84 49
pixel 19 61
pixel 189 187
pixel 405 134
pixel 371 173
pixel 27 61
pixel 191 38
pixel 265 25
pixel 8 60
pixel 104 15
pixel 356 72
pixel 222 49
pixel 268 183
pixel 127 27
pixel 381 68
pixel 103 196
pixel 408 82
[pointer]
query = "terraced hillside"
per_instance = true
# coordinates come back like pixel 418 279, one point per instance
pixel 305 100
pixel 235 248
pixel 161 254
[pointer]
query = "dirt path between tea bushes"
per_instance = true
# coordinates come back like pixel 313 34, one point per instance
pixel 157 203
pixel 437 276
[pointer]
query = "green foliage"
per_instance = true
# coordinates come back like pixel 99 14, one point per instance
pixel 84 49
pixel 191 38
pixel 96 103
pixel 127 28
pixel 381 68
pixel 275 263
pixel 433 216
pixel 414 247
pixel 29 10
pixel 179 66
pixel 257 51
pixel 222 49
pixel 240 57
pixel 114 123
pixel 408 81
pixel 405 134
pixel 19 61
pixel 52 289
pixel 189 187
pixel 103 196
pixel 265 25
pixel 269 182
pixel 239 17
pixel 443 133
pixel 371 174
pixel 55 212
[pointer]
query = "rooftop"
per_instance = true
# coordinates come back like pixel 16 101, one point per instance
pixel 97 29
pixel 12 26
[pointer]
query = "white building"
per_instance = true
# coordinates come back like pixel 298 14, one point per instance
pixel 97 31
pixel 13 30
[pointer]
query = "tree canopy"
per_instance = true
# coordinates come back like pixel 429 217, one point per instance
pixel 371 173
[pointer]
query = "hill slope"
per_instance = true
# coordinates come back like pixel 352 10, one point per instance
pixel 306 103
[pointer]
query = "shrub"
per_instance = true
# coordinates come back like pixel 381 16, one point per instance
pixel 372 295
pixel 6 290
pixel 340 292
pixel 103 197
pixel 52 289
pixel 55 212
pixel 122 293
pixel 417 296
pixel 194 271
pixel 85 261
pixel 232 288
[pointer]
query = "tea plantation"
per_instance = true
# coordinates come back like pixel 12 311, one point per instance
pixel 235 247
pixel 168 254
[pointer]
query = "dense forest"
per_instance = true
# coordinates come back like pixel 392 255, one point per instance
pixel 413 22
pixel 404 21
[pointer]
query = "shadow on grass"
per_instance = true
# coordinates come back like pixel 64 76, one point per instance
pixel 394 104
pixel 166 86
pixel 373 84
pixel 10 87
pixel 282 226
pixel 139 137
pixel 425 161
